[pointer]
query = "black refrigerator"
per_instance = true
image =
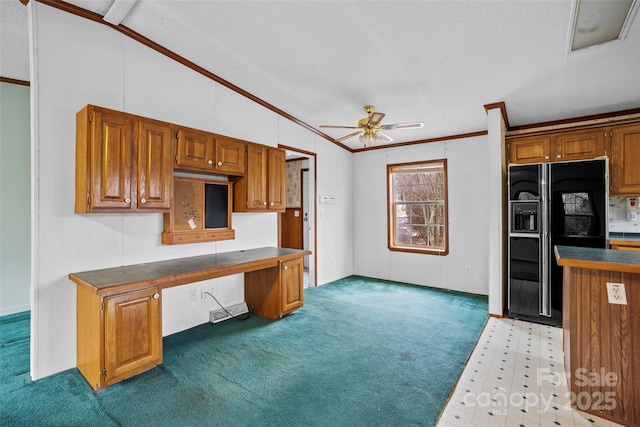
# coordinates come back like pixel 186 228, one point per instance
pixel 551 204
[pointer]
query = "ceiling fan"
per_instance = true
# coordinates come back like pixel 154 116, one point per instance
pixel 370 129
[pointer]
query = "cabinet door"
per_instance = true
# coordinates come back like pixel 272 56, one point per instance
pixel 580 145
pixel 292 279
pixel 194 150
pixel 625 160
pixel 531 149
pixel 276 179
pixel 154 167
pixel 132 333
pixel 256 177
pixel 111 156
pixel 230 156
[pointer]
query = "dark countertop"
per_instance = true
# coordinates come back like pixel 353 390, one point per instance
pixel 598 259
pixel 624 237
pixel 171 272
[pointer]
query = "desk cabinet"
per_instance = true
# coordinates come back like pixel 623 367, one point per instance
pixel 119 335
pixel 276 291
pixel 119 322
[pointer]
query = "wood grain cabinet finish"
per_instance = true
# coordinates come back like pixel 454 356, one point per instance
pixel 194 150
pixel 292 278
pixel 123 162
pixel 202 151
pixel 118 335
pixel 532 149
pixel 276 291
pixel 579 145
pixel 624 245
pixel 624 164
pixel 601 342
pixel 558 147
pixel 230 156
pixel 262 189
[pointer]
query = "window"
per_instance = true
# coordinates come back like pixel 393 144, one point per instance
pixel 579 218
pixel 417 202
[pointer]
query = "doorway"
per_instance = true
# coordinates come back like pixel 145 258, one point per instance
pixel 296 226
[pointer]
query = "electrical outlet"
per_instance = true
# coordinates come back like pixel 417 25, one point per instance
pixel 616 293
pixel 193 294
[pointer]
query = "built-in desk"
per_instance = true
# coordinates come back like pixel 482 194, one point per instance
pixel 119 321
pixel 601 340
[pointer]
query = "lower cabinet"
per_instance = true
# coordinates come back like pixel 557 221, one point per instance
pixel 277 291
pixel 118 335
pixel 625 245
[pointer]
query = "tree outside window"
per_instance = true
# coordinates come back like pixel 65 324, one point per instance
pixel 417 199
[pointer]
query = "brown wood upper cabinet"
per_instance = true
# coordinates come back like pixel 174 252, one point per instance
pixel 558 147
pixel 624 164
pixel 262 189
pixel 201 151
pixel 123 162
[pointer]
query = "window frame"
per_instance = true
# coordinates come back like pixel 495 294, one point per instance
pixel 391 208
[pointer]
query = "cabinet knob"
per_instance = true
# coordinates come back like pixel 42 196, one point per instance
pixel 143 201
pixel 271 203
pixel 265 203
pixel 286 267
pixel 156 296
pixel 558 156
pixel 219 163
pixel 546 157
pixel 210 161
pixel 127 200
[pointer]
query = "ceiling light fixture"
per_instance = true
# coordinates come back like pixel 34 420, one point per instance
pixel 596 22
pixel 118 10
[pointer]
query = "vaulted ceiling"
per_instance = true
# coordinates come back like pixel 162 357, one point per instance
pixel 439 62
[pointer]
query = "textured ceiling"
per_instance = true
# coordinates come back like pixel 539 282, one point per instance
pixel 434 61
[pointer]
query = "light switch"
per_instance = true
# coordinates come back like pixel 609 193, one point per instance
pixel 616 293
pixel 296 213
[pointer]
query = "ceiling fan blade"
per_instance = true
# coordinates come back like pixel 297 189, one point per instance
pixel 412 125
pixel 375 118
pixel 339 127
pixel 348 136
pixel 383 137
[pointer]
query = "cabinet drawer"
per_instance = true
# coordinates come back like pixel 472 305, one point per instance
pixel 220 235
pixel 197 237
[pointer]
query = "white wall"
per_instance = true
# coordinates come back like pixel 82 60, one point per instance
pixel 76 62
pixel 467 171
pixel 15 205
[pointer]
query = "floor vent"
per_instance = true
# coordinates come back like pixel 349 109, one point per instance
pixel 219 315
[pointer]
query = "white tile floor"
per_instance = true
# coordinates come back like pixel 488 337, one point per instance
pixel 514 378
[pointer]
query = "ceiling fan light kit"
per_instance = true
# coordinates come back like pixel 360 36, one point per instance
pixel 370 129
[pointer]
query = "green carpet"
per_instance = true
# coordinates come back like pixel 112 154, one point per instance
pixel 362 352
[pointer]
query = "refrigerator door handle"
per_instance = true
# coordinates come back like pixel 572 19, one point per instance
pixel 545 294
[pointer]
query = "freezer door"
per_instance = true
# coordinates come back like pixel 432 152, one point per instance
pixel 524 277
pixel 524 182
